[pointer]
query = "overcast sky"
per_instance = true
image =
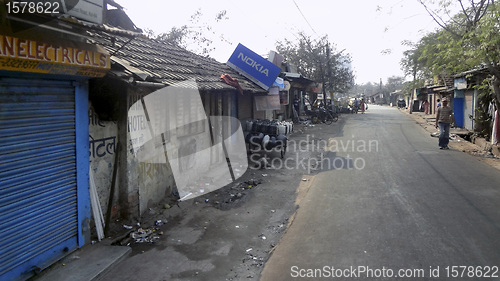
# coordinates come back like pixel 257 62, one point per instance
pixel 364 28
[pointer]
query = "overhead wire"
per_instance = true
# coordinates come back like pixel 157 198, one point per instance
pixel 310 26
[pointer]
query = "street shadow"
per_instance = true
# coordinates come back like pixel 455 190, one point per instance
pixel 329 161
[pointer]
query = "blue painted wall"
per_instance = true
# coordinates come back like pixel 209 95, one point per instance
pixel 82 161
pixel 458 110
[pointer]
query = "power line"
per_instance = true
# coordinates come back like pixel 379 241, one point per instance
pixel 304 17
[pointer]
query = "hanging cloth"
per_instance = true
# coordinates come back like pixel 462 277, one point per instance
pixel 226 78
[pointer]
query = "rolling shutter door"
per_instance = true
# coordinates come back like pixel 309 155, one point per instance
pixel 38 193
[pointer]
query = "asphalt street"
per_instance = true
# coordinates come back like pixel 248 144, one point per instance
pixel 388 204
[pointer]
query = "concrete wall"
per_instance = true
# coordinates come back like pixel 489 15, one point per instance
pixel 245 105
pixel 146 172
pixel 102 153
pixel 149 177
pixel 469 108
pixel 183 132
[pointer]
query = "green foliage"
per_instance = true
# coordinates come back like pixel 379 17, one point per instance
pixel 318 60
pixel 466 41
pixel 392 84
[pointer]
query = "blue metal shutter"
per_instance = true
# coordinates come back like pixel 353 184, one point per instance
pixel 38 193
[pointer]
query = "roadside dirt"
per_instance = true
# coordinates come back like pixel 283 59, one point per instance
pixel 457 142
pixel 230 233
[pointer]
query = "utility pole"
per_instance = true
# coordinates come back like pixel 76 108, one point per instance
pixel 329 70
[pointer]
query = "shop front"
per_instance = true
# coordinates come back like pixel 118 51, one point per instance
pixel 44 184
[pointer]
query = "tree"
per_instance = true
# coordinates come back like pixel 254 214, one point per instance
pixel 197 37
pixel 367 89
pixel 414 62
pixel 467 40
pixel 393 84
pixel 319 61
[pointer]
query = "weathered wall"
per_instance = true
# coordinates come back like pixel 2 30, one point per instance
pixel 245 105
pixel 261 114
pixel 184 131
pixel 148 161
pixel 469 109
pixel 102 153
pixel 148 178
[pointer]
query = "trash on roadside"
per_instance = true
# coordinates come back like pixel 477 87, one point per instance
pixel 167 206
pixel 140 233
pixel 253 182
pixel 127 226
pixel 148 235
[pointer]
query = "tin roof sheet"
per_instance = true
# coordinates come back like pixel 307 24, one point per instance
pixel 167 63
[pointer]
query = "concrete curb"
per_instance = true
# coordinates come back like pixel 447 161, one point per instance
pixel 86 264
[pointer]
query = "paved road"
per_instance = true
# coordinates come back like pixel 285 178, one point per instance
pixel 393 201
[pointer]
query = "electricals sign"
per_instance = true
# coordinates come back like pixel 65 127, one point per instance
pixel 254 67
pixel 23 55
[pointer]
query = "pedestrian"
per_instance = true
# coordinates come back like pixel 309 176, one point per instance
pixel 426 107
pixel 356 105
pixel 444 119
pixel 362 106
pixel 296 103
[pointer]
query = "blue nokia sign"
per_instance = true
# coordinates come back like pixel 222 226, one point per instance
pixel 254 67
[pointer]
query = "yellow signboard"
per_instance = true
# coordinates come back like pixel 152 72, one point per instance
pixel 24 55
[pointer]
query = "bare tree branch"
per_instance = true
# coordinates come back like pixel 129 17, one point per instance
pixel 482 10
pixel 465 13
pixel 440 22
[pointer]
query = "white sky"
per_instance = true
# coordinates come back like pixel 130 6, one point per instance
pixel 363 27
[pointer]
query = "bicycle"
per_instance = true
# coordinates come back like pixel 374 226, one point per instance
pixel 325 116
pixel 334 115
pixel 322 114
pixel 333 112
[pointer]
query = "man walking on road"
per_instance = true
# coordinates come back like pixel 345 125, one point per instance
pixel 444 119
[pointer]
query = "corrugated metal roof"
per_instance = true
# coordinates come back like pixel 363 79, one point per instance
pixel 167 63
